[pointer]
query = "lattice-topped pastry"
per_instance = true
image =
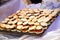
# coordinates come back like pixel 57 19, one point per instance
pixel 29 20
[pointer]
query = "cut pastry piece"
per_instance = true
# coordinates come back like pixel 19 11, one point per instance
pixel 29 20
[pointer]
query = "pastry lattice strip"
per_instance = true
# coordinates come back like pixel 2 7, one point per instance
pixel 29 20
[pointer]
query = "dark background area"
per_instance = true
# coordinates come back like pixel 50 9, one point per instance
pixel 36 1
pixel 3 1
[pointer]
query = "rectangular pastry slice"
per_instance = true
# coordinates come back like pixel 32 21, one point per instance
pixel 29 20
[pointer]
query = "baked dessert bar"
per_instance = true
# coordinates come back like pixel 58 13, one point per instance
pixel 29 20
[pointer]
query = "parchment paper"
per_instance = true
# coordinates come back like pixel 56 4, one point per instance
pixel 47 34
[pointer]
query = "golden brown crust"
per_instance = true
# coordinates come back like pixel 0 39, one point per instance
pixel 29 20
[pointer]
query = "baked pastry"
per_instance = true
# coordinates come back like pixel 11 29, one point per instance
pixel 29 20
